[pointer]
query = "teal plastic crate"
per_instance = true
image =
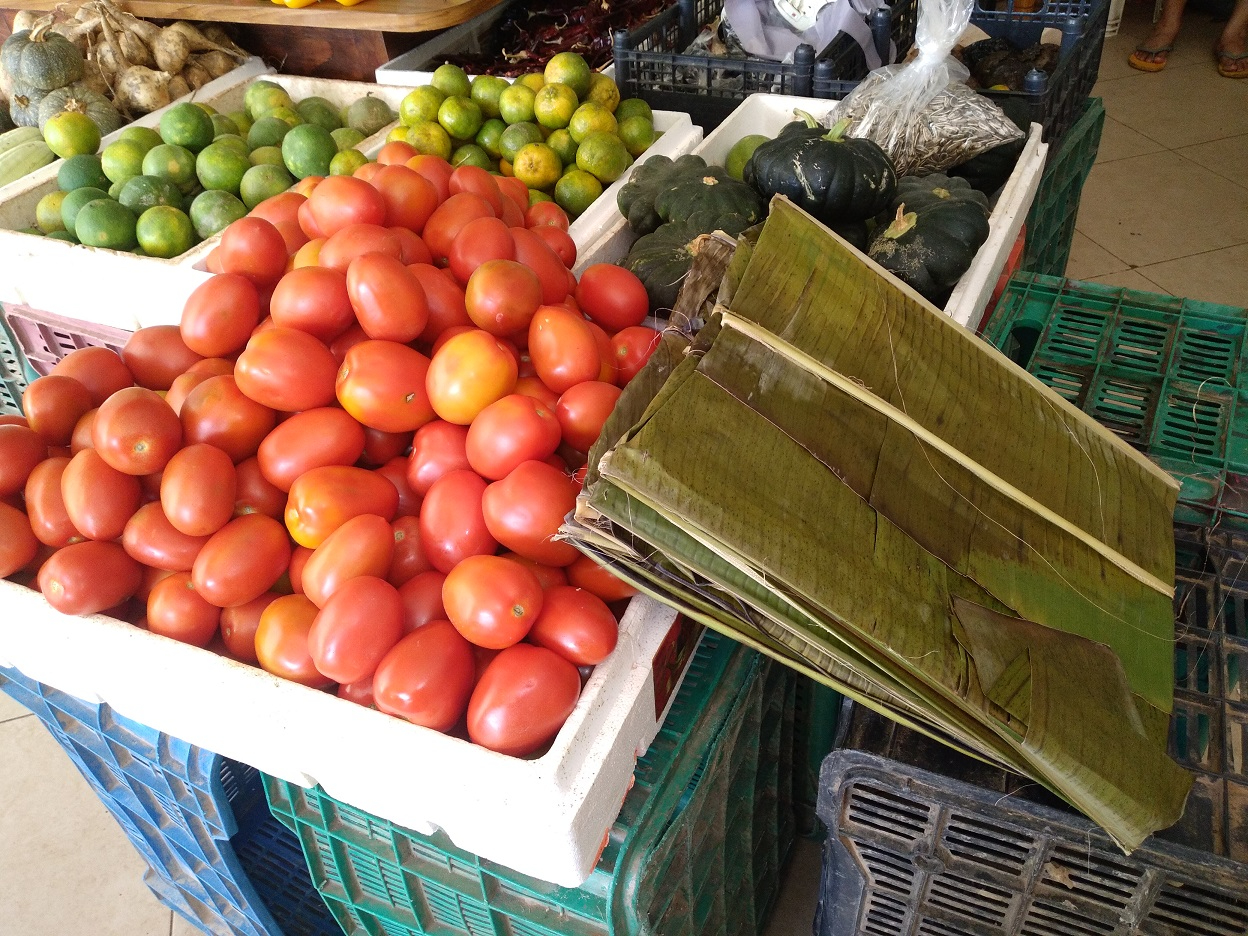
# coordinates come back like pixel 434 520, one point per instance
pixel 697 850
pixel 14 373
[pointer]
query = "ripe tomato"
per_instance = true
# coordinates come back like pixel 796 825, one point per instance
pixel 367 171
pixel 560 242
pixel 361 693
pixel 449 218
pixel 219 315
pixel 547 576
pixel 363 545
pixel 467 374
pixel 583 410
pixel 541 213
pixel 53 405
pixel 437 447
pixel 382 447
pixel 86 578
pixel 606 352
pixel 342 200
pixel 323 499
pixel 476 180
pixel 18 544
pixel 218 413
pixel 427 677
pixel 347 340
pixel 239 625
pixel 282 639
pixel 533 387
pixel 410 198
pixel 176 610
pixel 388 299
pixel 479 241
pixel 444 299
pixel 241 561
pixel 254 494
pixel 356 628
pixel 632 348
pixel 287 370
pixel 512 188
pixel 382 384
pixel 492 601
pixel 509 431
pixel 422 599
pixel 522 700
pixel 525 510
pixel 396 152
pixel 100 370
pixel 253 247
pixel 83 430
pixel 156 355
pixel 408 559
pixel 313 299
pixel 395 470
pixel 452 527
pixel 436 171
pixel 589 575
pixel 151 539
pixel 98 498
pixel 563 348
pixel 278 208
pixel 612 296
pixel 307 224
pixel 413 248
pixel 197 490
pixel 299 557
pixel 577 625
pixel 356 240
pixel 45 506
pixel 502 296
pixel 536 254
pixel 135 431
pixel 307 440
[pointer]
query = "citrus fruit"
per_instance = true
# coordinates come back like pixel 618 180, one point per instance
pixel 536 196
pixel 631 107
pixel 430 138
pixel 186 125
pixel 164 232
pixel 262 96
pixel 603 156
pixel 106 223
pixel 70 133
pixel 81 171
pixel 347 138
pixel 471 155
pixel 64 235
pixel 603 90
pixel 504 168
pixel 517 136
pixel 554 105
pixel 317 110
pixel 537 166
pixel 143 192
pixel 222 124
pixel 576 191
pixel 346 162
pixel 143 137
pixel 368 115
pixel 241 121
pixel 741 152
pixel 591 117
pixel 122 161
pixel 266 156
pixel 172 162
pixel 206 108
pixel 212 212
pixel 486 91
pixel 564 146
pixel 114 190
pixel 287 115
pixel 234 142
pixel 570 69
pixel 636 133
pixel 73 202
pixel 264 181
pixel 308 150
pixel 489 136
pixel 267 131
pixel 451 81
pixel 460 117
pixel 220 166
pixel 421 104
pixel 48 212
pixel 397 132
pixel 533 81
pixel 515 104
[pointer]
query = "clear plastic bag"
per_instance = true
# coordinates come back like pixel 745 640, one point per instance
pixel 922 113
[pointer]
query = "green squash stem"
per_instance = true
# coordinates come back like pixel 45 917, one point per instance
pixel 835 134
pixel 903 223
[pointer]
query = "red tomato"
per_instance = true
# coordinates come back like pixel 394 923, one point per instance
pixel 382 384
pixel 86 578
pixel 218 413
pixel 512 430
pixel 467 374
pixel 307 185
pixel 313 299
pixel 18 544
pixel 612 296
pixel 577 625
pixel 395 471
pixel 541 213
pixel 449 334
pixel 563 349
pixel 536 254
pixel 311 439
pixel 282 639
pixel 367 171
pixel 323 499
pixel 356 240
pixel 502 296
pixel 436 171
pixel 346 341
pixel 533 387
pixel 83 430
pixel 197 490
pixel 410 198
pixel 589 575
pixel 525 510
pixel 522 700
pixel 299 557
pixel 45 506
pixel 444 298
pixel 356 628
pixel 476 180
pixel 437 447
pixel 382 447
pixel 413 248
pixel 241 561
pixel 151 539
pixel 547 576
pixel 239 625
pixel 364 545
pixel 307 224
pixel 427 677
pixel 156 355
pixel 408 559
pixel 100 370
pixel 388 299
pixel 219 315
pixel 492 601
pixel 342 200
pixel 361 693
pixel 13 419
pixel 422 599
pixel 632 348
pixel 452 526
pixel 396 152
pixel 449 218
pixel 212 262
pixel 98 498
pixel 254 248
pixel 53 405
pixel 184 383
pixel 512 216
pixel 176 610
pixel 583 410
pixel 560 242
pixel 278 208
pixel 135 431
pixel 287 370
pixel 606 352
pixel 517 191
pixel 254 494
pixel 479 241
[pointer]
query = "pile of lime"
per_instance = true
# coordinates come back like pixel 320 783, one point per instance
pixel 158 193
pixel 563 132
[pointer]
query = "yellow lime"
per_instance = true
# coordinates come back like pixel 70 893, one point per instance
pixel 70 133
pixel 741 152
pixel 262 96
pixel 234 142
pixel 636 133
pixel 575 191
pixel 632 107
pixel 516 136
pixel 515 104
pixel 564 146
pixel 164 232
pixel 603 90
pixel 122 161
pixel 554 105
pixel 537 166
pixel 571 69
pixel 188 126
pixel 398 132
pixel 603 156
pixel 264 181
pixel 348 138
pixel 206 108
pixel 219 166
pixel 223 124
pixel 241 120
pixel 143 137
pixel 421 104
pixel 460 117
pixel 486 90
pixel 504 168
pixel 428 136
pixel 533 81
pixel 288 116
pixel 267 156
pixel 168 161
pixel 536 196
pixel 451 80
pixel 590 117
pixel 346 162
pixel 48 212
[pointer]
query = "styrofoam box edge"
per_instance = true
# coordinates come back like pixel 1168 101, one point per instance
pixel 546 817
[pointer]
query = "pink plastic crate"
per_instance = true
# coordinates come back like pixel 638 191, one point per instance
pixel 44 338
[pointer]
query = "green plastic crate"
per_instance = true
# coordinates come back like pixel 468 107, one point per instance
pixel 14 374
pixel 1051 221
pixel 697 850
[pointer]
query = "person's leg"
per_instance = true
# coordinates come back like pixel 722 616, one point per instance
pixel 1232 47
pixel 1152 52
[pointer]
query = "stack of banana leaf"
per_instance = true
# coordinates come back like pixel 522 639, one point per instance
pixel 835 473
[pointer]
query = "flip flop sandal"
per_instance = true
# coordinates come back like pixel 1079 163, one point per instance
pixel 1224 58
pixel 1143 64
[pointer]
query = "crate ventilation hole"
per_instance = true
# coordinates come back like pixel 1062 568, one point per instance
pixel 1141 345
pixel 1075 333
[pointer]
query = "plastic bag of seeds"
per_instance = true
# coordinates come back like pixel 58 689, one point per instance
pixel 922 113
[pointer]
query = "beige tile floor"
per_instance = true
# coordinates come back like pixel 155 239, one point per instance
pixel 1165 209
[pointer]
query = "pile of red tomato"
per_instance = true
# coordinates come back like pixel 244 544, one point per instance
pixel 348 462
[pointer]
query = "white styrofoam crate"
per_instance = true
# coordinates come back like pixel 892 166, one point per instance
pixel 768 113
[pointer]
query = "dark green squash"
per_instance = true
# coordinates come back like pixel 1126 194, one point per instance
pixel 24 105
pixel 918 193
pixel 41 59
pixel 80 99
pixel 662 189
pixel 661 260
pixel 831 176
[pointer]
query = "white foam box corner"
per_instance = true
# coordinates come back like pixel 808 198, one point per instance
pixel 766 114
pixel 117 288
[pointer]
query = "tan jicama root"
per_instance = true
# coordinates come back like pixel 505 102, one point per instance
pixel 137 88
pixel 93 78
pixel 171 50
pixel 25 19
pixel 178 87
pixel 218 35
pixel 216 63
pixel 198 42
pixel 196 75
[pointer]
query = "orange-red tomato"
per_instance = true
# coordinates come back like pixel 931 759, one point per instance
pixel 347 340
pixel 241 561
pixel 342 200
pixel 589 575
pixel 560 242
pixel 396 152
pixel 525 510
pixel 583 410
pixel 388 299
pixel 282 639
pixel 422 599
pixel 547 576
pixel 278 208
pixel 287 370
pixel 311 439
pixel 151 539
pixel 452 526
pixel 18 544
pixel 254 494
pixel 436 171
pixel 532 386
pixel 100 370
pixel 363 545
pixel 478 242
pixel 184 383
pixel 151 576
pixel 408 559
pixel 502 296
pixel 413 248
pixel 98 498
pixel 356 628
pixel 323 499
pixel 509 431
pixel 356 240
pixel 632 348
pixel 522 700
pixel 467 374
pixel 427 677
pixel 45 506
pixel 437 447
pixel 444 300
pixel 86 578
pixel 395 470
pixel 517 191
pixel 536 254
pixel 83 430
pixel 380 448
pixel 410 198
pixel 577 625
pixel 382 384
pixel 313 299
pixel 218 413
pixel 361 692
pixel 197 490
pixel 612 296
pixel 492 601
pixel 449 218
pixel 219 315
pixel 541 213
pixel 53 405
pixel 135 431
pixel 299 557
pixel 307 224
pixel 253 247
pixel 239 625
pixel 156 355
pixel 563 349
pixel 606 353
pixel 367 171
pixel 476 180
pixel 176 610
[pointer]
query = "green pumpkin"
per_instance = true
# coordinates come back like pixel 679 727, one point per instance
pixel 661 260
pixel 80 99
pixel 662 190
pixel 24 105
pixel 41 59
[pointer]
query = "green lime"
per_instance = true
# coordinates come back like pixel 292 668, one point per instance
pixel 122 161
pixel 346 162
pixel 451 81
pixel 143 192
pixel 637 134
pixel 603 90
pixel 317 110
pixel 420 104
pixel 632 107
pixel 308 150
pixel 486 90
pixel 576 191
pixel 186 125
pixel 537 166
pixel 81 171
pixel 222 124
pixel 287 115
pixel 429 137
pixel 48 212
pixel 105 223
pixel 554 105
pixel 591 117
pixel 74 201
pixel 460 117
pixel 221 166
pixel 570 69
pixel 471 155
pixel 533 81
pixel 212 212
pixel 369 114
pixel 262 96
pixel 517 136
pixel 515 105
pixel 64 235
pixel 264 181
pixel 71 133
pixel 741 152
pixel 144 137
pixel 267 156
pixel 346 138
pixel 536 196
pixel 234 141
pixel 489 135
pixel 564 146
pixel 603 156
pixel 172 162
pixel 267 131
pixel 242 121
pixel 114 190
pixel 206 108
pixel 164 232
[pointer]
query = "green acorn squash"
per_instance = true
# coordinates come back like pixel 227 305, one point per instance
pixel 80 99
pixel 662 189
pixel 24 105
pixel 661 259
pixel 41 59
